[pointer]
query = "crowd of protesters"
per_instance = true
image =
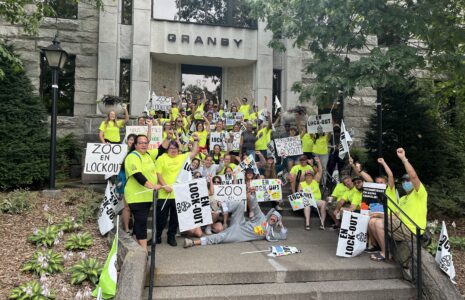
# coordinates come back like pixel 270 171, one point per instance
pixel 248 130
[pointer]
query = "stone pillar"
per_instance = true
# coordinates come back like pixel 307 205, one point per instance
pixel 141 62
pixel 107 49
pixel 291 72
pixel 263 71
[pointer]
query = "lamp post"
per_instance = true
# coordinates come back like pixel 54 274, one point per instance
pixel 56 59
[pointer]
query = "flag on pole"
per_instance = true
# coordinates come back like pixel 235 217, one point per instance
pixel 346 141
pixel 277 104
pixel 107 210
pixel 444 255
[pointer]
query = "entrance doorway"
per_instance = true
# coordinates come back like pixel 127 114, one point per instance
pixel 199 79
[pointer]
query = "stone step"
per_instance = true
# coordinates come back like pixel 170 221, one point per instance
pixel 329 290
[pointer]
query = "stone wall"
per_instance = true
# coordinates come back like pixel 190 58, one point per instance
pixel 237 82
pixel 165 74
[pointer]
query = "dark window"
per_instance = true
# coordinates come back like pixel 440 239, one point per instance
pixel 199 79
pixel 126 12
pixel 65 104
pixel 63 9
pixel 235 13
pixel 276 89
pixel 125 79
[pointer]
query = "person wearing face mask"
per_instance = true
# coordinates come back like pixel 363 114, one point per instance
pixel 413 204
pixel 258 227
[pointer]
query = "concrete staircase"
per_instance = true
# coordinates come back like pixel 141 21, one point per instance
pixel 222 272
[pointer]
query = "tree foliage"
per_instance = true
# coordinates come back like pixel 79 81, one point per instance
pixel 412 35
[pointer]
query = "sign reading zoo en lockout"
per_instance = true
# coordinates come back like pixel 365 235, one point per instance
pixel 353 234
pixel 288 146
pixel 104 158
pixel 267 189
pixel 320 124
pixel 192 204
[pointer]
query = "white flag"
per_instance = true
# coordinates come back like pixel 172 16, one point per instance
pixel 345 142
pixel 107 210
pixel 277 104
pixel 444 255
pixel 185 174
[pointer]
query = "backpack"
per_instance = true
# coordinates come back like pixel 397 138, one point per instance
pixel 121 179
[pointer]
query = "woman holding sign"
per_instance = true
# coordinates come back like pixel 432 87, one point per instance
pixel 140 171
pixel 312 185
pixel 109 130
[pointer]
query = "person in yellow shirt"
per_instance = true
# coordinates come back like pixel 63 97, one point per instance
pixel 300 168
pixel 140 173
pixel 320 149
pixel 312 185
pixel 352 197
pixel 264 136
pixel 307 142
pixel 109 130
pixel 413 204
pixel 244 108
pixel 168 167
pixel 202 131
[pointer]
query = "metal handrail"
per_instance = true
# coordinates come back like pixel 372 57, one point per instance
pixel 418 280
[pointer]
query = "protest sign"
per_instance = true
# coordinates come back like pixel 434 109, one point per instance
pixel 240 178
pixel 270 149
pixel 444 255
pixel 267 189
pixel 217 138
pixel 104 158
pixel 352 235
pixel 236 141
pixel 156 134
pixel 288 146
pixel 186 172
pixel 320 124
pixel 346 141
pixel 161 103
pixel 298 201
pixel 107 210
pixel 226 179
pixel 247 163
pixel 192 204
pixel 230 192
pixel 372 191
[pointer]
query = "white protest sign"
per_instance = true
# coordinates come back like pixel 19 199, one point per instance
pixel 106 212
pixel 345 141
pixel 238 117
pixel 352 235
pixel 156 134
pixel 230 192
pixel 289 146
pixel 320 124
pixel 240 178
pixel 104 158
pixel 247 163
pixel 226 179
pixel 298 201
pixel 192 204
pixel 186 172
pixel 217 138
pixel 229 119
pixel 444 255
pixel 236 141
pixel 161 103
pixel 267 189
pixel 371 191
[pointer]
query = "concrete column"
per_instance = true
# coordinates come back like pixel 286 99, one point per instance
pixel 263 73
pixel 140 64
pixel 107 49
pixel 291 72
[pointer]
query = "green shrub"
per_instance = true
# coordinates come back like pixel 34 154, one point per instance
pixel 68 153
pixel 457 242
pixel 86 269
pixel 445 196
pixel 80 241
pixel 46 237
pixel 32 290
pixel 17 202
pixel 89 206
pixel 45 262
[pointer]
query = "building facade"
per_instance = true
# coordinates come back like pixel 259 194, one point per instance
pixel 134 48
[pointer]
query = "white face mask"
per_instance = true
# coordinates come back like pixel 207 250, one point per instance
pixel 407 186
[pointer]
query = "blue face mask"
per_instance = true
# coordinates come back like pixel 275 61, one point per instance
pixel 407 186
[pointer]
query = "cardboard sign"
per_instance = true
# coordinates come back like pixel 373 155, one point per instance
pixel 226 179
pixel 192 204
pixel 185 174
pixel 301 200
pixel 230 192
pixel 161 103
pixel 289 146
pixel 320 124
pixel 104 158
pixel 247 163
pixel 236 141
pixel 267 189
pixel 107 212
pixel 444 255
pixel 371 191
pixel 156 134
pixel 217 138
pixel 352 235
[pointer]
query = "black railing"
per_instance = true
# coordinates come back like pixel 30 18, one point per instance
pixel 410 265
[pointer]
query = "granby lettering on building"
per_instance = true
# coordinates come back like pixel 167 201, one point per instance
pixel 201 41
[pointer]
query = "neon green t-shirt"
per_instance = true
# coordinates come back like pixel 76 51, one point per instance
pixel 174 113
pixel 263 138
pixel 321 145
pixel 339 191
pixel 231 165
pixel 138 164
pixel 295 169
pixel 313 187
pixel 353 196
pixel 169 167
pixel 202 138
pixel 391 193
pixel 415 206
pixel 307 143
pixel 245 109
pixel 110 131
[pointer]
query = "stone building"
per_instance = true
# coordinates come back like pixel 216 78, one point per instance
pixel 134 48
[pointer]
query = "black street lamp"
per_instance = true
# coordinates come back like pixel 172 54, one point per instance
pixel 56 59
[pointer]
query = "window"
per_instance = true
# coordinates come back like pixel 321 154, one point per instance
pixel 125 79
pixel 65 104
pixel 198 79
pixel 235 13
pixel 126 12
pixel 63 9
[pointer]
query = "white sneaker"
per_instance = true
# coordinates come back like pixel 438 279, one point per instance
pixel 188 243
pixel 208 230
